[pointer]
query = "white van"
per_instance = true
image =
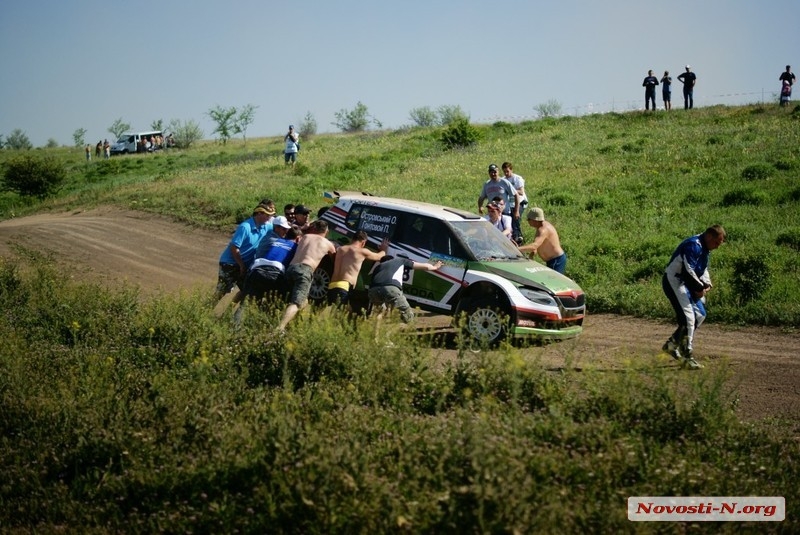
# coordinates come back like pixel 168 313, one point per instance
pixel 138 142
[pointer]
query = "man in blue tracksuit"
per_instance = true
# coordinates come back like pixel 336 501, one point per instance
pixel 686 282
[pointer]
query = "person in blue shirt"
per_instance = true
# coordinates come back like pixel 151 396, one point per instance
pixel 235 260
pixel 666 90
pixel 686 282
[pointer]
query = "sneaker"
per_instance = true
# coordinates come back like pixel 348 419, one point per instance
pixel 671 348
pixel 689 362
pixel 692 364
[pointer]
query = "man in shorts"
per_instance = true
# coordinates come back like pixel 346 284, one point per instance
pixel 311 250
pixel 348 262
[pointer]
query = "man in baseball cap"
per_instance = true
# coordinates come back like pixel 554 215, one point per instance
pixel 546 242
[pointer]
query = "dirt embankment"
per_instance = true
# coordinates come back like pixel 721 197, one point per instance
pixel 111 245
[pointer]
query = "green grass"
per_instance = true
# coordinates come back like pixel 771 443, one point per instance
pixel 124 414
pixel 120 415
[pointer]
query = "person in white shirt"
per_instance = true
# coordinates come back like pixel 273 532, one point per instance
pixel 519 184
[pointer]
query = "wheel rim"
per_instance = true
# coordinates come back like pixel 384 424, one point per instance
pixel 319 285
pixel 485 325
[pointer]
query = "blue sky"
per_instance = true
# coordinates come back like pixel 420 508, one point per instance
pixel 84 63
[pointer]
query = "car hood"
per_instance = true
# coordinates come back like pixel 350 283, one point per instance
pixel 531 274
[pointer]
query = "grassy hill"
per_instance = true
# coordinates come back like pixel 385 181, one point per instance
pixel 622 189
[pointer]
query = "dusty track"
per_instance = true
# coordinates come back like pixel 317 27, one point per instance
pixel 110 245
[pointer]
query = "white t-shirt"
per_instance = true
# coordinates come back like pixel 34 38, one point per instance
pixel 519 183
pixel 502 224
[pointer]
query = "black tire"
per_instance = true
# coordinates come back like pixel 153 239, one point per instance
pixel 486 320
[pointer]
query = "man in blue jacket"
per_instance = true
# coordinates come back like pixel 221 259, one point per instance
pixel 686 282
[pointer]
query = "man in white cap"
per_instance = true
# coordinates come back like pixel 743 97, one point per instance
pixel 688 80
pixel 292 140
pixel 546 242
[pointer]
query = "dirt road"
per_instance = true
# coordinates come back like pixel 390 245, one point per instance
pixel 111 245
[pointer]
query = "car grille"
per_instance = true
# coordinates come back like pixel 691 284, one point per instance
pixel 572 302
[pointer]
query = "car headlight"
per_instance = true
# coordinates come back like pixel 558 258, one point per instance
pixel 539 297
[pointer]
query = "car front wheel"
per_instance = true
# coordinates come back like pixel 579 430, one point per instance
pixel 486 321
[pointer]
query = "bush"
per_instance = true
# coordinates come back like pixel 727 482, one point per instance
pixel 740 197
pixel 750 278
pixel 757 171
pixel 35 177
pixel 460 134
pixel 185 134
pixel 790 238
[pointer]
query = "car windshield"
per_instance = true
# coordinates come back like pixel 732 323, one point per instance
pixel 485 241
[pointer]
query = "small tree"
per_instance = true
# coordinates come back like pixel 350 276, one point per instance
pixel 460 134
pixel 2 141
pixel 450 114
pixel 79 137
pixel 355 120
pixel 225 119
pixel 423 116
pixel 32 176
pixel 118 128
pixel 244 119
pixel 18 140
pixel 551 108
pixel 52 143
pixel 158 125
pixel 185 134
pixel 308 126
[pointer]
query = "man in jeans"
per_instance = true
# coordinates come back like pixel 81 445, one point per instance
pixel 519 184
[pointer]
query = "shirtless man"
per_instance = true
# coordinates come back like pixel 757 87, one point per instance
pixel 546 242
pixel 311 250
pixel 347 264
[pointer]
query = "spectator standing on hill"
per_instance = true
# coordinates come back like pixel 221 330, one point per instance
pixel 499 186
pixel 241 251
pixel 787 78
pixel 291 139
pixel 98 149
pixel 347 264
pixel 546 242
pixel 688 79
pixel 666 90
pixel 311 250
pixel 685 283
pixel 519 184
pixel 88 149
pixel 107 149
pixel 650 82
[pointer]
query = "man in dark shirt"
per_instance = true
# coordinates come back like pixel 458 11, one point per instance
pixel 688 80
pixel 650 82
pixel 386 287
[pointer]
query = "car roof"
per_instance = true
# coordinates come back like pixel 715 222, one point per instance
pixel 415 207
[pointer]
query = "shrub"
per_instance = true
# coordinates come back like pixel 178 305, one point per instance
pixel 758 171
pixel 460 134
pixel 35 177
pixel 185 134
pixel 743 196
pixel 423 116
pixel 449 114
pixel 790 238
pixel 750 277
pixel 307 126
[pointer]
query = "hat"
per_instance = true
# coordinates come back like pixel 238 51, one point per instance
pixel 688 66
pixel 282 222
pixel 291 126
pixel 536 214
pixel 301 209
pixel 261 209
pixel 493 167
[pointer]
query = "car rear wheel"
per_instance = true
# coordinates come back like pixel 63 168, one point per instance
pixel 318 293
pixel 486 321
